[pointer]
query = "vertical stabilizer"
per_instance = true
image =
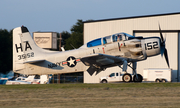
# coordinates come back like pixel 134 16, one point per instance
pixel 24 49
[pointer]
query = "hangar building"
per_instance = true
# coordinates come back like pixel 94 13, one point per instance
pixel 145 26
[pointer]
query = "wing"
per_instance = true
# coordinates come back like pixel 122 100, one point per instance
pixel 98 62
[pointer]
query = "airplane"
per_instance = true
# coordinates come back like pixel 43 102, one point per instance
pixel 120 49
pixel 32 79
pixel 21 80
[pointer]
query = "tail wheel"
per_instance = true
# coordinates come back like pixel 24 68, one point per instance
pixel 127 77
pixel 140 78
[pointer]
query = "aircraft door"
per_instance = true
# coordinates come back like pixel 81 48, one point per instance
pixel 118 75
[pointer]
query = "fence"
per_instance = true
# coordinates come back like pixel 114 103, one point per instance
pixel 67 79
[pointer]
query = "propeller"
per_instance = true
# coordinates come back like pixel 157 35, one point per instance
pixel 163 48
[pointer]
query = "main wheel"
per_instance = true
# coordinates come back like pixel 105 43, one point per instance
pixel 140 78
pixel 127 77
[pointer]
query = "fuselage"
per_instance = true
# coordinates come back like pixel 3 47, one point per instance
pixel 30 59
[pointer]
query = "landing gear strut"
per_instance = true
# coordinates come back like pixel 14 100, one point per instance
pixel 137 77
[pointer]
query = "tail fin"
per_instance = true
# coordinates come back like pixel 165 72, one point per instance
pixel 24 49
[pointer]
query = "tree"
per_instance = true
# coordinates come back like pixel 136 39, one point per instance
pixel 5 50
pixel 76 38
pixel 78 27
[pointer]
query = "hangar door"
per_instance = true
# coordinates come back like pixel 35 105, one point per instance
pixel 158 61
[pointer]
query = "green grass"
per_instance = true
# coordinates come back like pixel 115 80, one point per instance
pixel 80 85
pixel 91 95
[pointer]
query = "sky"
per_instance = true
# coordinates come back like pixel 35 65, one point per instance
pixel 61 15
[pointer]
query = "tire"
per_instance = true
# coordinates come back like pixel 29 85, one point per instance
pixel 140 78
pixel 104 81
pixel 127 78
pixel 158 80
pixel 163 80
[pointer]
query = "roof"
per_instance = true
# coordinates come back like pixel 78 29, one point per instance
pixel 132 17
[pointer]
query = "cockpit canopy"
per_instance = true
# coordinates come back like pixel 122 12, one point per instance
pixel 110 39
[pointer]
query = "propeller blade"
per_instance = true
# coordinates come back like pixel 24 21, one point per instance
pixel 162 39
pixel 162 50
pixel 166 56
pixel 165 39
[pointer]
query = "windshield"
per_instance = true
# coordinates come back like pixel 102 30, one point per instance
pixel 120 37
pixel 108 39
pixel 94 43
pixel 128 35
pixel 117 37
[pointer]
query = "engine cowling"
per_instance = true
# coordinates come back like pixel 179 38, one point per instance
pixel 151 46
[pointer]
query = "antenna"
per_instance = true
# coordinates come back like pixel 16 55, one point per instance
pixel 72 46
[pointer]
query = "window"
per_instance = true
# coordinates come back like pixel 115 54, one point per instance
pixel 94 43
pixel 107 40
pixel 117 37
pixel 128 36
pixel 37 77
pixel 111 75
pixel 114 38
pixel 104 41
pixel 117 74
pixel 121 36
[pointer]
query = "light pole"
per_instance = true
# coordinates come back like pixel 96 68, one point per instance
pixel 60 41
pixel 59 50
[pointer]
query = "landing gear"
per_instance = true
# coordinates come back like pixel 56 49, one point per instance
pixel 138 79
pixel 127 78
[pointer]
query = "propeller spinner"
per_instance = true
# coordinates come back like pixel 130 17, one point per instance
pixel 163 48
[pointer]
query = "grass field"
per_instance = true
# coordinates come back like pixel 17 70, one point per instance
pixel 136 95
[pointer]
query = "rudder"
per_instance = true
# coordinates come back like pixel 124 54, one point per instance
pixel 24 48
